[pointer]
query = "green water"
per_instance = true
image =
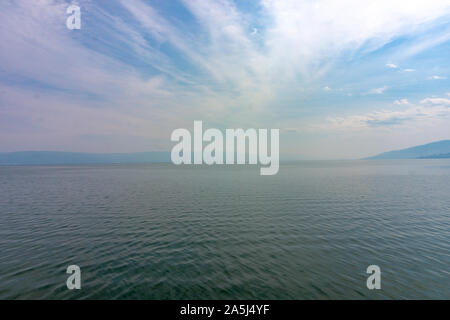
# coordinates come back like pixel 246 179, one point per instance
pixel 159 231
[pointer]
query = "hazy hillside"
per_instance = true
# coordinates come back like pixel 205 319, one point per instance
pixel 439 149
pixel 51 157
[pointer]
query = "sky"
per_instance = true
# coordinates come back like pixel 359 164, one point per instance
pixel 340 79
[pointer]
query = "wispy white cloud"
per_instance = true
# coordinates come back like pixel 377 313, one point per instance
pixel 378 90
pixel 424 41
pixel 437 77
pixel 304 34
pixel 391 65
pixel 401 102
pixel 427 112
pixel 372 131
pixel 434 101
pixel 425 115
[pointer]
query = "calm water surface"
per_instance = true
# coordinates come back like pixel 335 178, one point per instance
pixel 159 231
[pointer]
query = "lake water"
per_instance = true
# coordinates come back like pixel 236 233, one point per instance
pixel 159 231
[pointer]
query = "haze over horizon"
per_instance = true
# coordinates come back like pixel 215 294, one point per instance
pixel 339 79
pixel 434 150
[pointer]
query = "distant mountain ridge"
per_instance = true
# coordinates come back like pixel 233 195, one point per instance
pixel 55 158
pixel 434 150
pixel 437 156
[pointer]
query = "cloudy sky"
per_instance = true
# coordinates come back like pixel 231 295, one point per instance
pixel 340 79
